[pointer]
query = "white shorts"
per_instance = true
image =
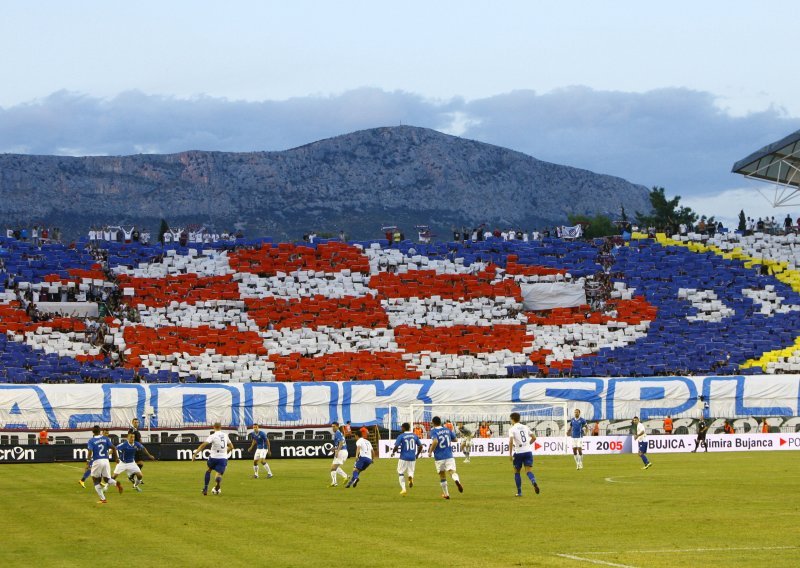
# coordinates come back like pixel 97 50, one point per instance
pixel 340 457
pixel 446 465
pixel 406 467
pixel 577 443
pixel 101 468
pixel 260 454
pixel 129 468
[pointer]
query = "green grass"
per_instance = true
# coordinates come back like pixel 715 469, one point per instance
pixel 731 509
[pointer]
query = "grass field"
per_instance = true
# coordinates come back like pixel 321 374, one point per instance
pixel 726 509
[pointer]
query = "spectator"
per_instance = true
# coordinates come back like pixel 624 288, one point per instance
pixel 596 429
pixel 729 427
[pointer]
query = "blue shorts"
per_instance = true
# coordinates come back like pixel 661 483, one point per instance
pixel 363 463
pixel 525 458
pixel 217 464
pixel 642 447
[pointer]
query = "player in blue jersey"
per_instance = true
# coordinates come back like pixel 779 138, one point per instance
pixel 576 428
pixel 640 437
pixel 410 447
pixel 364 456
pixel 520 440
pixel 339 455
pixel 127 453
pixel 217 458
pixel 442 451
pixel 88 471
pixel 99 448
pixel 260 441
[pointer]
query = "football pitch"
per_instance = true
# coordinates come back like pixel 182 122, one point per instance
pixel 725 509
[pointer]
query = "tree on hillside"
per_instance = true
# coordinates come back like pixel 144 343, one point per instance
pixel 742 221
pixel 161 230
pixel 667 213
pixel 594 227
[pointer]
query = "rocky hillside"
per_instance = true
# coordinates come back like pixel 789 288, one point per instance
pixel 356 182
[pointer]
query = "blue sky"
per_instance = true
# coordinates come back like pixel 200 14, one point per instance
pixel 669 94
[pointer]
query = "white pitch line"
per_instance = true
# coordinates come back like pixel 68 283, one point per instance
pixel 685 550
pixel 612 480
pixel 72 466
pixel 594 561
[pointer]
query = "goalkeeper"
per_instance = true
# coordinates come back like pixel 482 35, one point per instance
pixel 465 436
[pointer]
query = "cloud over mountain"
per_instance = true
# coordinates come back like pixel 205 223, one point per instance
pixel 677 138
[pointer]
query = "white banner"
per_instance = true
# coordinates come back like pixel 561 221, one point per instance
pixel 553 446
pixel 386 403
pixel 724 443
pixel 550 295
pixel 544 446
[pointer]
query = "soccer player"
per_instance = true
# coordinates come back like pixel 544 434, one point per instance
pixel 577 428
pixel 339 455
pixel 88 471
pixel 99 446
pixel 441 450
pixel 410 447
pixel 520 450
pixel 126 460
pixel 260 441
pixel 466 440
pixel 702 430
pixel 641 438
pixel 218 458
pixel 364 456
pixel 137 437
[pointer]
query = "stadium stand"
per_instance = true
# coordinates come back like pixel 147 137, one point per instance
pixel 331 311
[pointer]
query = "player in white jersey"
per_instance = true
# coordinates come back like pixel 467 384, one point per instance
pixel 218 457
pixel 364 456
pixel 520 439
pixel 641 438
pixel 464 435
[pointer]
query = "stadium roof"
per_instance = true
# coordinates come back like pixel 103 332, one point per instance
pixel 778 162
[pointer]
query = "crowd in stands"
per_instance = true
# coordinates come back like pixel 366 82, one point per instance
pixel 200 309
pixel 36 234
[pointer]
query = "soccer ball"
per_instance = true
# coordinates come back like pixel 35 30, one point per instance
pixel 216 491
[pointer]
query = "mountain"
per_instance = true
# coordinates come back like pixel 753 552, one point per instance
pixel 357 182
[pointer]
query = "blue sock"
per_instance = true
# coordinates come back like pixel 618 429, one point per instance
pixel 86 474
pixel 518 481
pixel 218 479
pixel 532 478
pixel 208 479
pixel 645 460
pixel 355 475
